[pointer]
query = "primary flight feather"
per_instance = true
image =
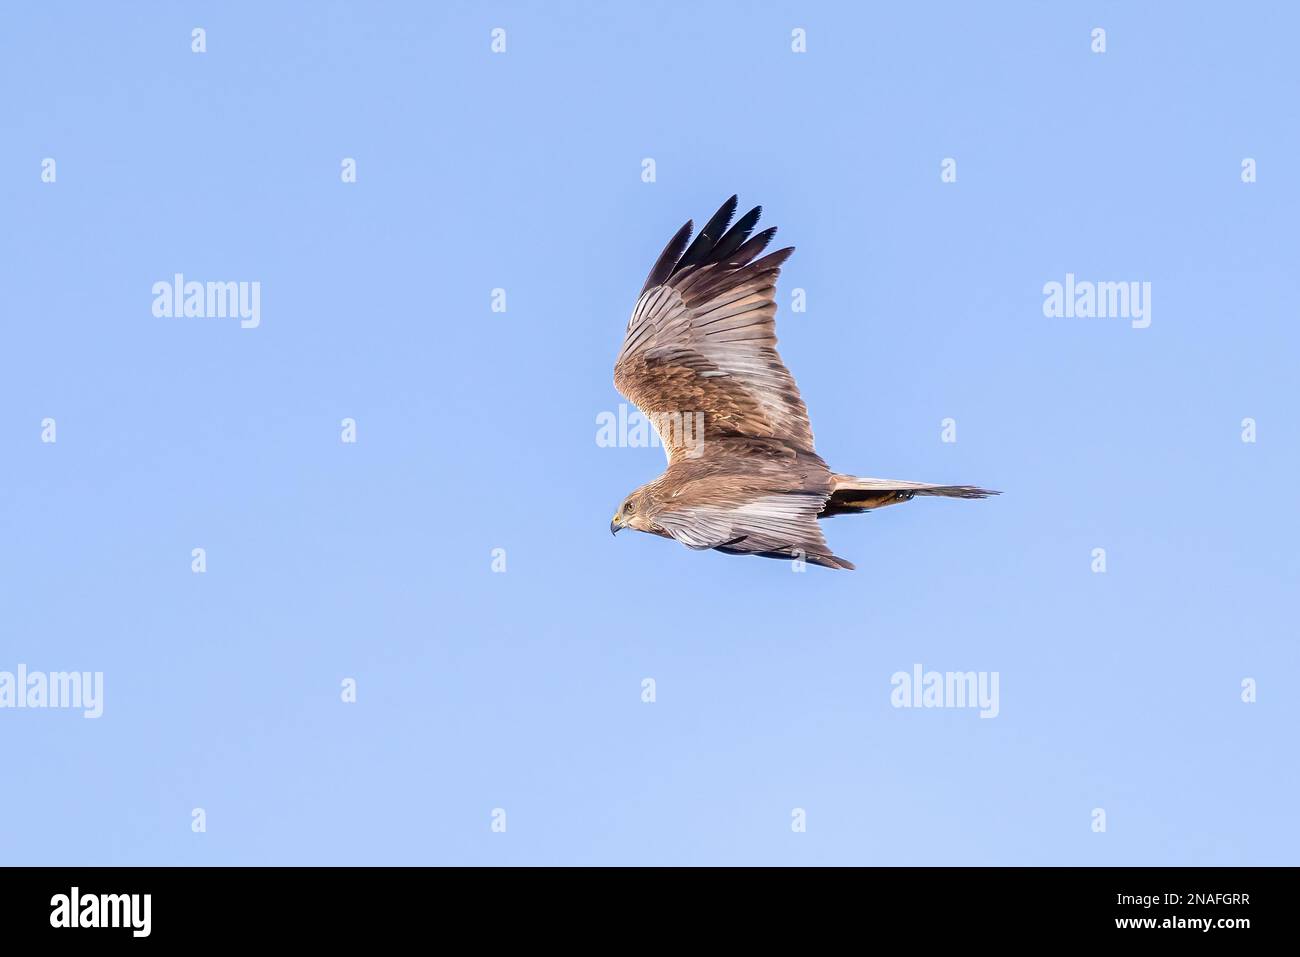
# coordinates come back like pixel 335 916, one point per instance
pixel 699 360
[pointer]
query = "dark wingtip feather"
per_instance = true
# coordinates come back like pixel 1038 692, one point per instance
pixel 753 246
pixel 716 244
pixel 772 260
pixel 736 235
pixel 708 237
pixel 663 267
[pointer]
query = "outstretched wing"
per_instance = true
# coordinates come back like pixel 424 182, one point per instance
pixel 702 341
pixel 782 525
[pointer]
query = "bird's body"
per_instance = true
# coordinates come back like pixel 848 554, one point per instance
pixel 701 348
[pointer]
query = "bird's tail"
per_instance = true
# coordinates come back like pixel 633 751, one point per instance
pixel 851 494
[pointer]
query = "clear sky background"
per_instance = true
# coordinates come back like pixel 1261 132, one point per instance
pixel 476 430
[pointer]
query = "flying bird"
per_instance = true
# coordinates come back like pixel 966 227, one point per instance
pixel 699 360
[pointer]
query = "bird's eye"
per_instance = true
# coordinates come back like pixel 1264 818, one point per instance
pixel 627 508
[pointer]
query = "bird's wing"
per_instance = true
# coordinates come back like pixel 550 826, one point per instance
pixel 780 525
pixel 700 347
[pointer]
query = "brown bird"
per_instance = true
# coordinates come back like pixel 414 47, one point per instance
pixel 700 362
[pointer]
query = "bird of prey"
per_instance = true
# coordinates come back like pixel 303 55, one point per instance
pixel 699 360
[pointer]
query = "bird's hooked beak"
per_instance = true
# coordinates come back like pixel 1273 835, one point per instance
pixel 614 524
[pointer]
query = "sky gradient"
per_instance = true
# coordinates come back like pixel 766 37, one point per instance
pixel 476 430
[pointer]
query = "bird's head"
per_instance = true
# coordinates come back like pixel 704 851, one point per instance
pixel 632 514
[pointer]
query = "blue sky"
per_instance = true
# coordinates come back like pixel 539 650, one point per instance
pixel 522 690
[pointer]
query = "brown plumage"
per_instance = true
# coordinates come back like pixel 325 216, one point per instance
pixel 699 360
